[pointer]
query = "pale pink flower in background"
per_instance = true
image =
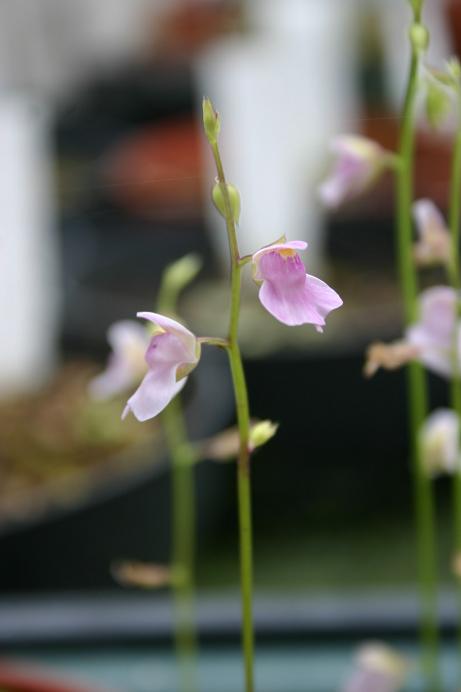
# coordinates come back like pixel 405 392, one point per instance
pixel 126 365
pixel 388 356
pixel 430 340
pixel 173 351
pixel 434 243
pixel 433 334
pixel 378 668
pixel 287 292
pixel 359 162
pixel 439 438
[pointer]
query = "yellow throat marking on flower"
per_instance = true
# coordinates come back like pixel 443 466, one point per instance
pixel 287 252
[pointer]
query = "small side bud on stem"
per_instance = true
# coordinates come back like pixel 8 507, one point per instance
pixel 176 277
pixel 262 432
pixel 219 201
pixel 211 122
pixel 419 37
pixel 437 104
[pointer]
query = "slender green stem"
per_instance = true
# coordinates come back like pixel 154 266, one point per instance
pixel 243 420
pixel 417 391
pixel 455 278
pixel 455 204
pixel 183 535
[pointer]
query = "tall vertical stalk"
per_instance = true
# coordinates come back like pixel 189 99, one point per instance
pixel 183 519
pixel 183 542
pixel 243 421
pixel 417 383
pixel 455 279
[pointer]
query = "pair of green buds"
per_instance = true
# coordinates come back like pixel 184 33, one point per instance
pixel 212 127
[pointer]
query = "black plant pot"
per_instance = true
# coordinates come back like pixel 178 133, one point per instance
pixel 129 517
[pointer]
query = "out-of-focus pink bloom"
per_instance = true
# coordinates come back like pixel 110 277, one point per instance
pixel 433 335
pixel 359 162
pixel 170 356
pixel 287 292
pixel 378 668
pixel 430 340
pixel 439 438
pixel 434 243
pixel 388 356
pixel 126 365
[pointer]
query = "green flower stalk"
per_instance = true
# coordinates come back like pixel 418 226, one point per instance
pixel 416 378
pixel 183 518
pixel 455 279
pixel 230 209
pixel 132 345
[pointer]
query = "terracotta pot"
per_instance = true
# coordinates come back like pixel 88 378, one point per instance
pixel 30 679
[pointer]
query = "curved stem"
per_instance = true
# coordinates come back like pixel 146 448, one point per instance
pixel 243 420
pixel 417 391
pixel 183 535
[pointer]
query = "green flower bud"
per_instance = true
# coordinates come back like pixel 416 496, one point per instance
pixel 437 103
pixel 180 273
pixel 417 6
pixel 262 432
pixel 419 37
pixel 211 122
pixel 454 69
pixel 175 278
pixel 219 201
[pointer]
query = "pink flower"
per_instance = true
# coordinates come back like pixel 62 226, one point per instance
pixel 434 243
pixel 173 351
pixel 359 161
pixel 287 292
pixel 126 365
pixel 434 333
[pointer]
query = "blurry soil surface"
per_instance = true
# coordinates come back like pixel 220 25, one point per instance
pixel 57 445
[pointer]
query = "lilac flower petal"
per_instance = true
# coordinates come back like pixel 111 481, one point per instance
pixel 433 334
pixel 326 298
pixel 434 355
pixel 170 356
pixel 333 191
pixel 126 364
pixel 291 309
pixel 166 348
pixel 358 161
pixel 440 442
pixel 172 326
pixel 154 393
pixel 299 302
pixel 438 311
pixel 427 217
pixel 117 378
pixel 287 292
pixel 289 245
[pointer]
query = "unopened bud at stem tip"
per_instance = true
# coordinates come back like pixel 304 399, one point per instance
pixel 211 122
